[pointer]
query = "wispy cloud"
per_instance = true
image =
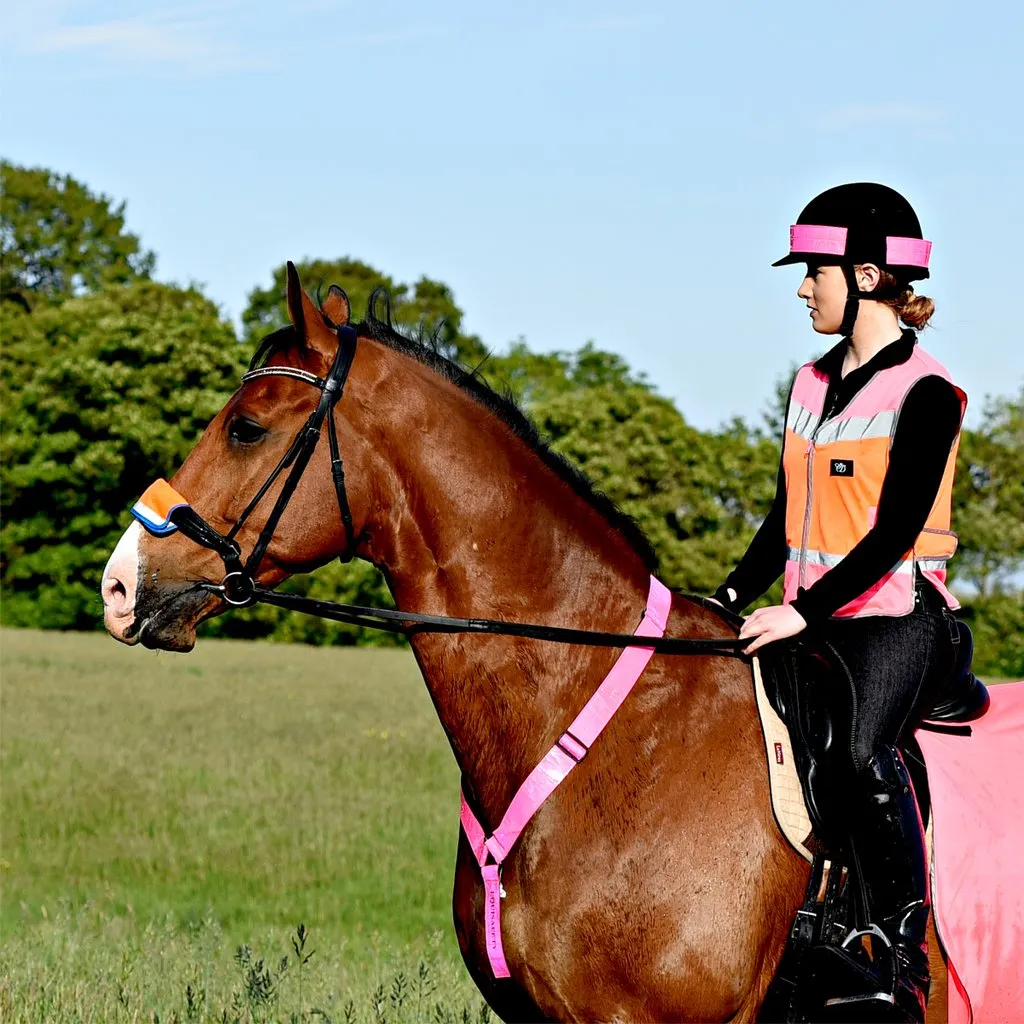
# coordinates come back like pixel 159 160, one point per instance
pixel 920 122
pixel 186 40
pixel 396 37
pixel 610 24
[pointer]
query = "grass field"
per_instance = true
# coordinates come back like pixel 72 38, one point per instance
pixel 159 812
pixel 168 821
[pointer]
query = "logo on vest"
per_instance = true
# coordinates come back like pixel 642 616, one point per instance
pixel 841 467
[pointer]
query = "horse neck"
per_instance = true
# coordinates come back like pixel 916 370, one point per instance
pixel 479 526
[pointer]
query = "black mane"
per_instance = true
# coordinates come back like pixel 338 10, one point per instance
pixel 425 347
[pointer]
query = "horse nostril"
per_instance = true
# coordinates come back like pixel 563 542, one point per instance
pixel 115 594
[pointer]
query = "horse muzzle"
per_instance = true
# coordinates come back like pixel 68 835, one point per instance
pixel 140 608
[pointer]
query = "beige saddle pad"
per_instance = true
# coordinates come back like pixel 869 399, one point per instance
pixel 787 797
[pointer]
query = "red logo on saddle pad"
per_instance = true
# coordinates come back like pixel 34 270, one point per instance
pixel 779 759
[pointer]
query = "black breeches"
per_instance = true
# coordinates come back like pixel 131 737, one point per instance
pixel 897 665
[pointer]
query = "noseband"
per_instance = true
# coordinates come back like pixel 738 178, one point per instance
pixel 161 511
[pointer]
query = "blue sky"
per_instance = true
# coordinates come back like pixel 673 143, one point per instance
pixel 617 172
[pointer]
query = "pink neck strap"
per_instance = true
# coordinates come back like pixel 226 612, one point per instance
pixel 572 746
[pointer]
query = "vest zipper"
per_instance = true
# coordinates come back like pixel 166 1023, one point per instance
pixel 809 456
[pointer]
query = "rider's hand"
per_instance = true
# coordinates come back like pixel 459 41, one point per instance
pixel 771 624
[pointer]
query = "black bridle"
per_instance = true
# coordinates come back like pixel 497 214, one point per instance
pixel 239 588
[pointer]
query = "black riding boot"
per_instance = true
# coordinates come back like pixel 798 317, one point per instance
pixel 893 862
pixel 890 983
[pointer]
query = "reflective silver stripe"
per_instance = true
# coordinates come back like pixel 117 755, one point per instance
pixel 800 420
pixel 814 557
pixel 856 428
pixel 932 564
pixel 830 561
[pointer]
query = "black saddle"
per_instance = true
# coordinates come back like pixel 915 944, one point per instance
pixel 794 671
pixel 964 697
pixel 810 688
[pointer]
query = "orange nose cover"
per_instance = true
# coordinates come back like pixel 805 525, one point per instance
pixel 153 510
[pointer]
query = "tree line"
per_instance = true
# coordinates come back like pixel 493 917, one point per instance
pixel 109 376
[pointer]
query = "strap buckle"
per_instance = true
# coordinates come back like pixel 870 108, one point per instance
pixel 238 589
pixel 491 874
pixel 572 746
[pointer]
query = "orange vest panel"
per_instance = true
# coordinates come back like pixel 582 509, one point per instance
pixel 834 471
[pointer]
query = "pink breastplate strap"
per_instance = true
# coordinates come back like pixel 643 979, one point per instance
pixel 568 751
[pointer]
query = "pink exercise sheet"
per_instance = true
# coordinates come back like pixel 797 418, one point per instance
pixel 977 786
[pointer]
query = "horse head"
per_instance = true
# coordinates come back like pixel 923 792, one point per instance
pixel 155 588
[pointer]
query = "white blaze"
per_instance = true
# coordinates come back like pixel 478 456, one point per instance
pixel 121 581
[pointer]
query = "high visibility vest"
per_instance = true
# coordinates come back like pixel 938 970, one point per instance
pixel 834 472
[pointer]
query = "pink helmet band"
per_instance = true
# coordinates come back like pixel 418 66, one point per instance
pixel 907 252
pixel 828 241
pixel 831 241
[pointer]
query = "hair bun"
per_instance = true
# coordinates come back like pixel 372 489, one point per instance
pixel 915 310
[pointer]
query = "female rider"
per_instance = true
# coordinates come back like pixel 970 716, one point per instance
pixel 860 526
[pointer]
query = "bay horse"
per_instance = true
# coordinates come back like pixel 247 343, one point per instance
pixel 654 884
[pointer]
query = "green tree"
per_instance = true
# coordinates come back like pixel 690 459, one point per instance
pixel 533 377
pixel 698 496
pixel 997 622
pixel 988 500
pixel 100 395
pixel 773 413
pixel 59 240
pixel 428 303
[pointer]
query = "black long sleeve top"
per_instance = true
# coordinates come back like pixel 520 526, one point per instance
pixel 925 431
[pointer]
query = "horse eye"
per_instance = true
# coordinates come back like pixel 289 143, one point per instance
pixel 244 431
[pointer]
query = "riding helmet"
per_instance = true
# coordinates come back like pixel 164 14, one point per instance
pixel 862 222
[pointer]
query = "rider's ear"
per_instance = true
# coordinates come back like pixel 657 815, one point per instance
pixel 301 311
pixel 867 275
pixel 336 306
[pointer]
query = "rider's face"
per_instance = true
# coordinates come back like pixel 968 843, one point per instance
pixel 824 291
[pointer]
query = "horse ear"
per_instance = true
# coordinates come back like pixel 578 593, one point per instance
pixel 336 306
pixel 301 311
pixel 295 298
